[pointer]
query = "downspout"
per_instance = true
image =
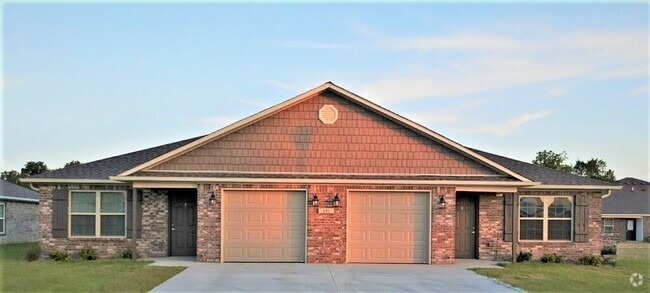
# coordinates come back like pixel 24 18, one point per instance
pixel 31 186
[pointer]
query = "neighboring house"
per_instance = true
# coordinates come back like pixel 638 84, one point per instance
pixel 18 213
pixel 626 212
pixel 325 177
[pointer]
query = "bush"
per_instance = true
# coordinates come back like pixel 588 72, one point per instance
pixel 590 260
pixel 59 255
pixel 609 260
pixel 33 253
pixel 88 253
pixel 608 250
pixel 551 258
pixel 524 256
pixel 127 253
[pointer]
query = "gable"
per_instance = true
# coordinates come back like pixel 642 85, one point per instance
pixel 295 140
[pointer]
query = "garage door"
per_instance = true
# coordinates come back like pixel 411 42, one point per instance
pixel 264 226
pixel 388 227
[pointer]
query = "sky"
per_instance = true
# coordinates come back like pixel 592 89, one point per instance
pixel 89 81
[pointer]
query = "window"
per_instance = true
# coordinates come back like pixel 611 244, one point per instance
pixel 97 214
pixel 545 218
pixel 608 225
pixel 2 218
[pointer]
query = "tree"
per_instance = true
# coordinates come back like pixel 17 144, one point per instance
pixel 72 163
pixel 594 168
pixel 33 168
pixel 553 160
pixel 11 176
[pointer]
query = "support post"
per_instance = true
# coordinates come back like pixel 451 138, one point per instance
pixel 134 229
pixel 515 228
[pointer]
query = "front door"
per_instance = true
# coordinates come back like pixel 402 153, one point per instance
pixel 182 222
pixel 465 227
pixel 630 230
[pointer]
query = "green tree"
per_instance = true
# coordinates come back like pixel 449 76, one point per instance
pixel 553 160
pixel 72 163
pixel 11 176
pixel 33 168
pixel 594 168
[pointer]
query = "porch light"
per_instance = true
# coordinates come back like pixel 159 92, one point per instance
pixel 212 198
pixel 336 201
pixel 314 201
pixel 441 202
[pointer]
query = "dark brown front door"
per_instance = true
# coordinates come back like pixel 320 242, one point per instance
pixel 465 227
pixel 182 222
pixel 630 230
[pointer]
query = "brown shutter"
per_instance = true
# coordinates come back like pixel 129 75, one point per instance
pixel 581 228
pixel 129 214
pixel 507 216
pixel 60 213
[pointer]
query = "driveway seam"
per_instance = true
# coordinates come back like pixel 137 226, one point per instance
pixel 333 280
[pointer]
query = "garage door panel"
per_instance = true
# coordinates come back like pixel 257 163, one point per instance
pixel 388 227
pixel 271 230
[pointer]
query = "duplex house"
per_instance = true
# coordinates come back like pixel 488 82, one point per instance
pixel 626 212
pixel 324 177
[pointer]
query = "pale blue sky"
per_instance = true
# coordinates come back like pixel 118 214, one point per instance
pixel 89 81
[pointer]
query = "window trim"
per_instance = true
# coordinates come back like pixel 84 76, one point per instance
pixel 547 200
pixel 605 226
pixel 4 219
pixel 98 214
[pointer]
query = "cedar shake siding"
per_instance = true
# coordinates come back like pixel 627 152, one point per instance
pixel 295 140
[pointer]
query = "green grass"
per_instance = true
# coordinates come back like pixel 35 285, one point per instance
pixel 567 277
pixel 114 275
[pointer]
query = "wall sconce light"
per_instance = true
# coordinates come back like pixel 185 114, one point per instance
pixel 314 201
pixel 333 201
pixel 441 202
pixel 213 199
pixel 336 201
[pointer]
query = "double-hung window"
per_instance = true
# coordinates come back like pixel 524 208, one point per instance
pixel 546 218
pixel 608 225
pixel 97 214
pixel 2 218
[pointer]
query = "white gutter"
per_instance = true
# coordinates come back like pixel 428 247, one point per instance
pixel 12 198
pixel 80 181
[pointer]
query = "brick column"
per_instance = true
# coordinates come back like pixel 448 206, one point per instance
pixel 208 246
pixel 443 226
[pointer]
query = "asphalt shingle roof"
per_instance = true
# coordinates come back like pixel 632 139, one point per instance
pixel 112 166
pixel 634 198
pixel 539 173
pixel 13 190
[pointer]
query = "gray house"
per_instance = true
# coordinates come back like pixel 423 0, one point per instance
pixel 18 213
pixel 626 212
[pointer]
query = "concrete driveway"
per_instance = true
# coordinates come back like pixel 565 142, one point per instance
pixel 330 278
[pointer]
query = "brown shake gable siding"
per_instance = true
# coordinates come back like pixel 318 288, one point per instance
pixel 295 140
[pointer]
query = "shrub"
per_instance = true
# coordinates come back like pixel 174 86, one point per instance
pixel 608 250
pixel 33 253
pixel 127 253
pixel 59 255
pixel 590 260
pixel 88 253
pixel 609 260
pixel 524 256
pixel 551 258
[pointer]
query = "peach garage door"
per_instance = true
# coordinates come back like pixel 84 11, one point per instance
pixel 264 226
pixel 388 227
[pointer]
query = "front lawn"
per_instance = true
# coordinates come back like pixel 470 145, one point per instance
pixel 542 277
pixel 114 275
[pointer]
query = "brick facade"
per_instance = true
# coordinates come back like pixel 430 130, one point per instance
pixel 492 246
pixel 154 241
pixel 21 222
pixel 620 231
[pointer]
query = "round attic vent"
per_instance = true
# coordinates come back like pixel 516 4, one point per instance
pixel 328 114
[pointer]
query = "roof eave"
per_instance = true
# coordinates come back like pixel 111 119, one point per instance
pixel 20 199
pixel 575 187
pixel 62 180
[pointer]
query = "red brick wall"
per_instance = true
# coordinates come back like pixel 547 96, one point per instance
pixel 326 233
pixel 294 140
pixel 492 246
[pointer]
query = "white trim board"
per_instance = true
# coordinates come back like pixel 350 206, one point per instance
pixel 11 198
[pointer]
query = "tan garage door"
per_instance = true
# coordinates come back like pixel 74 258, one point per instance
pixel 388 227
pixel 264 226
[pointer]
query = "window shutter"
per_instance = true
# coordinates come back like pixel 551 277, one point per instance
pixel 129 214
pixel 60 213
pixel 507 216
pixel 581 229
